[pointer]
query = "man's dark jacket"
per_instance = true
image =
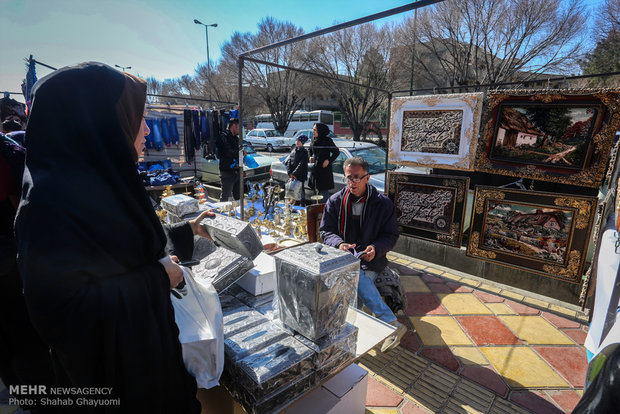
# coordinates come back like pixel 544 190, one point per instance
pixel 297 163
pixel 228 152
pixel 380 227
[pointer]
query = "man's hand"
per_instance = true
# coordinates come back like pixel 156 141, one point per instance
pixel 369 253
pixel 173 270
pixel 197 229
pixel 325 163
pixel 346 247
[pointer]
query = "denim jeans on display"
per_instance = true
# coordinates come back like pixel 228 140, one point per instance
pixel 149 138
pixel 165 131
pixel 174 131
pixel 368 295
pixel 158 142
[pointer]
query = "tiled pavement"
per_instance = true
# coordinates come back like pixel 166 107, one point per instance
pixel 478 347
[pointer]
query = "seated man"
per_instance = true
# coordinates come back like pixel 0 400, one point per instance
pixel 360 219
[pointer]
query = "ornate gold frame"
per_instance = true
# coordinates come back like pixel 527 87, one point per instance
pixel 582 207
pixel 602 140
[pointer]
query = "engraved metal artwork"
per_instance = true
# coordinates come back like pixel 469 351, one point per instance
pixel 432 131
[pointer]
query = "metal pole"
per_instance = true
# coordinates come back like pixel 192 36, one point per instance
pixel 387 143
pixel 208 59
pixel 240 92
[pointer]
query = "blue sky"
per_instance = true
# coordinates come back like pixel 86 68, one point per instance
pixel 155 37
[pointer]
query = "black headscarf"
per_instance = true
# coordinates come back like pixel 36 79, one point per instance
pixel 84 209
pixel 321 129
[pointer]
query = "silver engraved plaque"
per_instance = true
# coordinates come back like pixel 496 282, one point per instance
pixel 315 286
pixel 222 268
pixel 234 234
pixel 180 205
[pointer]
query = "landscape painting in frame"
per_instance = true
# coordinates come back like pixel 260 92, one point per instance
pixel 435 130
pixel 539 232
pixel 561 137
pixel 430 207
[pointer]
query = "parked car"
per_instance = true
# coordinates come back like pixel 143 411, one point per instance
pixel 269 139
pixel 210 166
pixel 348 149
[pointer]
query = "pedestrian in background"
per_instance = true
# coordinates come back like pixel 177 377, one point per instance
pixel 297 165
pixel 324 152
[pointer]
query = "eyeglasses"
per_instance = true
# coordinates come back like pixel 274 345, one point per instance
pixel 356 179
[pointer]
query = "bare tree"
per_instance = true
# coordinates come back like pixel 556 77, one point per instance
pixel 607 19
pixel 359 54
pixel 470 42
pixel 279 89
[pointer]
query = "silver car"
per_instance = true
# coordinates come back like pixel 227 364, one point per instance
pixel 210 166
pixel 348 149
pixel 269 139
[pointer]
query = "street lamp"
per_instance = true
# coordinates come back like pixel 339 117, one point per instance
pixel 207 35
pixel 123 68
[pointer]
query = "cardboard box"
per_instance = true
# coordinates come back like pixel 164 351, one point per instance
pixel 344 393
pixel 262 278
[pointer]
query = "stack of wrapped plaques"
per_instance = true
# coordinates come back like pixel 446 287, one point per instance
pixel 222 268
pixel 251 340
pixel 254 301
pixel 239 319
pixel 179 207
pixel 273 376
pixel 333 350
pixel 315 286
pixel 233 234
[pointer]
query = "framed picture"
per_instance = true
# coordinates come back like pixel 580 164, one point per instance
pixel 314 215
pixel 436 130
pixel 430 207
pixel 559 136
pixel 539 232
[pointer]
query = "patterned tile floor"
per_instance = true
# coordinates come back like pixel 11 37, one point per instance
pixel 478 347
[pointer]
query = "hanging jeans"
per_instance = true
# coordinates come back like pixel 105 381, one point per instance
pixel 196 128
pixel 158 142
pixel 174 131
pixel 165 131
pixel 368 295
pixel 204 128
pixel 230 185
pixel 149 137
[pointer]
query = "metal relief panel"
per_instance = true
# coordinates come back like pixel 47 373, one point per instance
pixel 234 234
pixel 222 268
pixel 435 130
pixel 430 207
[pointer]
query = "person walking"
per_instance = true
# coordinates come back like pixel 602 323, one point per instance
pixel 323 152
pixel 297 165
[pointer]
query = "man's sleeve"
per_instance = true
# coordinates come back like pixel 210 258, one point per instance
pixel 329 225
pixel 388 237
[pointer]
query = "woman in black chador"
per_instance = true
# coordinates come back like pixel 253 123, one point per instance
pixel 91 250
pixel 323 152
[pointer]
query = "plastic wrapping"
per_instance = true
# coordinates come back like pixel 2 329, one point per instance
pixel 254 301
pixel 274 402
pixel 237 320
pixel 293 189
pixel 230 303
pixel 202 247
pixel 179 205
pixel 236 235
pixel 222 268
pixel 333 367
pixel 339 345
pixel 315 286
pixel 252 340
pixel 281 363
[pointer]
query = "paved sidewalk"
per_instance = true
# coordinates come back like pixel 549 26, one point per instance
pixel 478 347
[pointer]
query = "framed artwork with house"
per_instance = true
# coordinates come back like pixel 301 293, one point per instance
pixel 437 131
pixel 539 232
pixel 430 207
pixel 562 136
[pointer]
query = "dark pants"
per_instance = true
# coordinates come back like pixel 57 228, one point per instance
pixel 230 185
pixel 325 194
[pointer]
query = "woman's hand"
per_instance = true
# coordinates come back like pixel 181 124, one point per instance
pixel 197 229
pixel 325 163
pixel 173 270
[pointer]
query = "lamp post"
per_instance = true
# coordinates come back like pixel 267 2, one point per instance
pixel 207 35
pixel 123 68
